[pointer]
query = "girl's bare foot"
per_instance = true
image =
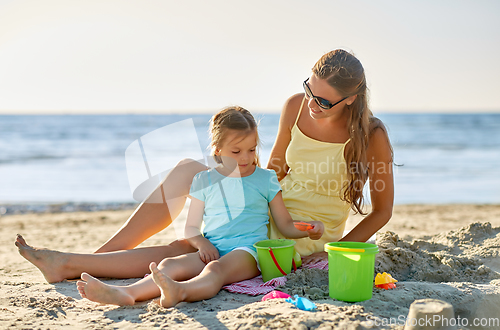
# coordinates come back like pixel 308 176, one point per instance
pixel 95 290
pixel 50 263
pixel 171 293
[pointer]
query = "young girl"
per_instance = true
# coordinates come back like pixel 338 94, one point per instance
pixel 232 200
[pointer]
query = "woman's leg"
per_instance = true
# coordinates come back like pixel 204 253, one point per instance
pixel 233 267
pixel 179 268
pixel 158 210
pixel 58 266
pixel 148 219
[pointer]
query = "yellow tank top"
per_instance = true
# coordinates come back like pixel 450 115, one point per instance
pixel 312 188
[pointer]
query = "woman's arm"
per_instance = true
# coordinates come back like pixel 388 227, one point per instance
pixel 285 224
pixel 207 250
pixel 379 155
pixel 289 113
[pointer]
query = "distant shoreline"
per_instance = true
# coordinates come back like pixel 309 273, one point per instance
pixel 63 207
pixel 69 207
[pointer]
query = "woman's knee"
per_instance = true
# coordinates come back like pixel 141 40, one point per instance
pixel 185 161
pixel 184 172
pixel 190 164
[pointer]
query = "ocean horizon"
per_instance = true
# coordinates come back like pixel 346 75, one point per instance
pixel 442 158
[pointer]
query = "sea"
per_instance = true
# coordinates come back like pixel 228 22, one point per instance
pixel 103 159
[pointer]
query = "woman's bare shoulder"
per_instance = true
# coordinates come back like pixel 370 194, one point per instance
pixel 376 123
pixel 379 139
pixel 291 109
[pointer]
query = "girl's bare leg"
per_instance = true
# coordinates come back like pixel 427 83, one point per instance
pixel 158 210
pixel 180 268
pixel 57 266
pixel 233 267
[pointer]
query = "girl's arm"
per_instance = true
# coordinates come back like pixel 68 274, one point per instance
pixel 380 164
pixel 289 113
pixel 207 250
pixel 285 223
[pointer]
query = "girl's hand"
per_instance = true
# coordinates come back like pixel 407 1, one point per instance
pixel 314 258
pixel 207 251
pixel 317 231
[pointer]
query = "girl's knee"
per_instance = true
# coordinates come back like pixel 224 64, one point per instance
pixel 164 263
pixel 172 268
pixel 214 267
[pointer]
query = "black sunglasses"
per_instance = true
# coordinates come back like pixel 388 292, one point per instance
pixel 323 104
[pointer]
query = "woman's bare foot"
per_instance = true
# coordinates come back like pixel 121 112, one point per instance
pixel 52 264
pixel 171 293
pixel 95 290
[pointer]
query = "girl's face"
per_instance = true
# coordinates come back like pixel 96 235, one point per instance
pixel 320 88
pixel 239 149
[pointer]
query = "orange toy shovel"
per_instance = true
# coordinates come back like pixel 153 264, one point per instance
pixel 304 226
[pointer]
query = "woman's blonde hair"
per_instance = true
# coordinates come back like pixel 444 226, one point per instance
pixel 232 118
pixel 344 72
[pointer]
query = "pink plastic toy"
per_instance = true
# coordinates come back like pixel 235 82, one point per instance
pixel 275 294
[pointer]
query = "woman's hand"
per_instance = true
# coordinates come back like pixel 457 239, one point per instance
pixel 317 231
pixel 314 258
pixel 207 251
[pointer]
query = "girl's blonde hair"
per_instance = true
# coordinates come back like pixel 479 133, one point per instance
pixel 344 72
pixel 232 118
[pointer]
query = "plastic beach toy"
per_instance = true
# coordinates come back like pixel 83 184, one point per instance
pixel 275 257
pixel 302 303
pixel 297 259
pixel 304 226
pixel 275 294
pixel 351 266
pixel 386 286
pixel 385 281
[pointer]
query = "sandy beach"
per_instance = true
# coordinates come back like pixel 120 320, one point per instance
pixel 445 252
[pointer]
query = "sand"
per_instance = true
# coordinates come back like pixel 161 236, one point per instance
pixel 445 252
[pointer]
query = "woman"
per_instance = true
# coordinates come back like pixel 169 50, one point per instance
pixel 328 145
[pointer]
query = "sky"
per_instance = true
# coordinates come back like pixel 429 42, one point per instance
pixel 150 56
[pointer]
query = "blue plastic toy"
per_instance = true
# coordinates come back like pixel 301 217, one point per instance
pixel 302 303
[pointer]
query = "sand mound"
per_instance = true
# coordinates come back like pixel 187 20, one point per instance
pixel 459 267
pixel 455 256
pixel 463 255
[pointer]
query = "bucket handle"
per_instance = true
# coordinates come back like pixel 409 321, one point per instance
pixel 338 248
pixel 276 261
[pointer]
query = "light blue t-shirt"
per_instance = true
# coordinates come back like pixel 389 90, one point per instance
pixel 236 209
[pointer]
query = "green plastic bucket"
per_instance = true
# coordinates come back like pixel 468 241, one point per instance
pixel 275 257
pixel 351 269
